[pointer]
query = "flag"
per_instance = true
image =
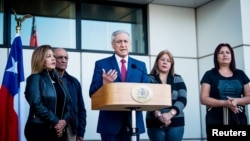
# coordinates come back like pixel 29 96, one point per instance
pixel 13 76
pixel 33 37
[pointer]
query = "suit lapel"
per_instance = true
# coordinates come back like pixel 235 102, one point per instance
pixel 129 69
pixel 116 67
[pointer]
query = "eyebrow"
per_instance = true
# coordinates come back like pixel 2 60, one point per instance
pixel 60 57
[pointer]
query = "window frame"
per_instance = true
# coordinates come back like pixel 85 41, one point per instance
pixel 7 12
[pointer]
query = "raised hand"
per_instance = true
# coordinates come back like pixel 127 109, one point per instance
pixel 109 77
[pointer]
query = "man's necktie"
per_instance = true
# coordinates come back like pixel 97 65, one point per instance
pixel 123 69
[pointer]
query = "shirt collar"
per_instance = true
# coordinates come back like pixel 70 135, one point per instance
pixel 118 58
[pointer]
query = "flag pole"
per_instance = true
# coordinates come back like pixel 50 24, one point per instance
pixel 20 105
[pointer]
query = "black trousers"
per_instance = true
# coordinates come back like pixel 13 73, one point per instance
pixel 42 132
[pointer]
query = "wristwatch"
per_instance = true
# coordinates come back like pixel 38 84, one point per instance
pixel 173 112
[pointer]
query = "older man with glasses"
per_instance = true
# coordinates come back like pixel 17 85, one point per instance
pixel 76 128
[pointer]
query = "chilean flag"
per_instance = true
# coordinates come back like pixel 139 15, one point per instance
pixel 13 76
pixel 33 37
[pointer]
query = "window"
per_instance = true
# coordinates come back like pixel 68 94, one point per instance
pixel 57 32
pixel 55 22
pixel 100 20
pixel 85 25
pixel 96 35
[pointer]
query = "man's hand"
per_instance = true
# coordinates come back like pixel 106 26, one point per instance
pixel 109 77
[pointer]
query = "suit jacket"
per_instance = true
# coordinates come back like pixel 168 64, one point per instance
pixel 78 107
pixel 111 122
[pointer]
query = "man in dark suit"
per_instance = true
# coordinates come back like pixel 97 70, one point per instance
pixel 77 124
pixel 116 125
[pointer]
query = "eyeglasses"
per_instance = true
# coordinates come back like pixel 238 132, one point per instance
pixel 62 57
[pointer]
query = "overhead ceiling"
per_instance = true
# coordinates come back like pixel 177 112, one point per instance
pixel 179 3
pixel 64 8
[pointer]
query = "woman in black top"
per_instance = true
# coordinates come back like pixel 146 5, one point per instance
pixel 224 89
pixel 48 98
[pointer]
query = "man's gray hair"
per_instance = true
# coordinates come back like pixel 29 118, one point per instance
pixel 117 32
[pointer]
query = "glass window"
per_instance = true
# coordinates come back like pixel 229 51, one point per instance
pixel 55 22
pixel 100 20
pixel 57 32
pixel 96 35
pixel 88 26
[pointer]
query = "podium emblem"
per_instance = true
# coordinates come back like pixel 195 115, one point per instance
pixel 142 93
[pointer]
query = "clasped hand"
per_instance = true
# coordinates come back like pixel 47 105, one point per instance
pixel 60 127
pixel 79 138
pixel 232 104
pixel 165 118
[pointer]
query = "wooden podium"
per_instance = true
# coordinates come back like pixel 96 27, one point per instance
pixel 124 96
pixel 121 96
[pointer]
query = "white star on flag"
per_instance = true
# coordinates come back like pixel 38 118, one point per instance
pixel 14 66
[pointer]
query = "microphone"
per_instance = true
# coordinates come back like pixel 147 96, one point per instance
pixel 135 67
pixel 151 78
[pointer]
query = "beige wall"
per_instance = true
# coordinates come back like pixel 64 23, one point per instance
pixel 174 28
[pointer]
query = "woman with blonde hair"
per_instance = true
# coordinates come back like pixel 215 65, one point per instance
pixel 48 98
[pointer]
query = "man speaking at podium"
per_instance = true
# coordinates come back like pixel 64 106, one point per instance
pixel 116 125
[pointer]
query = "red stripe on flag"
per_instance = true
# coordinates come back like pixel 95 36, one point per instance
pixel 8 117
pixel 13 75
